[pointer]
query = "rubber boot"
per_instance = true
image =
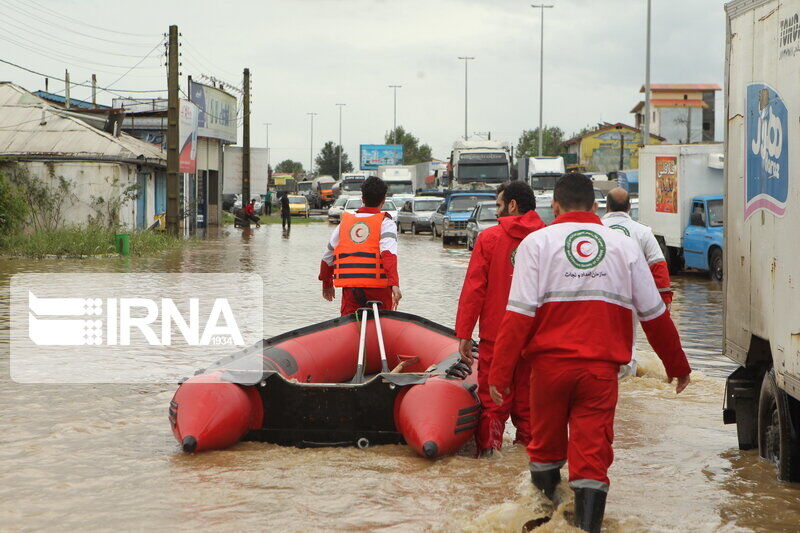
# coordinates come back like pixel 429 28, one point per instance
pixel 590 505
pixel 547 481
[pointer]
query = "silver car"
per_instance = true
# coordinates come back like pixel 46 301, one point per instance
pixel 482 217
pixel 416 214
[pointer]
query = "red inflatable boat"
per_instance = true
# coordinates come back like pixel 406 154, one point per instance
pixel 307 388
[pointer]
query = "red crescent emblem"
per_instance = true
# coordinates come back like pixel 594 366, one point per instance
pixel 358 232
pixel 579 249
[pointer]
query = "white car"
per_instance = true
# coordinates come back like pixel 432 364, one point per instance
pixel 354 204
pixel 257 207
pixel 335 212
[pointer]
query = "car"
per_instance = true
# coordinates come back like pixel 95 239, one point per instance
pixel 228 199
pixel 483 216
pixel 257 207
pixel 450 219
pixel 298 205
pixel 335 211
pixel 354 203
pixel 417 214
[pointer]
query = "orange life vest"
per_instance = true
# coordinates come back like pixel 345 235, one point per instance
pixel 357 257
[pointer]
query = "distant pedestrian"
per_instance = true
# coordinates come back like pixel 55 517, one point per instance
pixel 250 213
pixel 286 214
pixel 268 203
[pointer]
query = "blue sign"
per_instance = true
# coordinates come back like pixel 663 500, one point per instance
pixel 767 149
pixel 376 155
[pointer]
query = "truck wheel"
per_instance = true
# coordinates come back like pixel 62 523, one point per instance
pixel 715 264
pixel 776 442
pixel 414 229
pixel 400 228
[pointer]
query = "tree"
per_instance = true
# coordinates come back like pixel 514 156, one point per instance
pixel 413 152
pixel 287 166
pixel 328 161
pixel 528 145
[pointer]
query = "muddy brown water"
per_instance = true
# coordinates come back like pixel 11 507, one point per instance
pixel 102 457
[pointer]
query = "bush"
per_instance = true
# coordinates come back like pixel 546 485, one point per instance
pixel 13 208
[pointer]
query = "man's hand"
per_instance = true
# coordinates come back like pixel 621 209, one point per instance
pixel 682 384
pixel 396 297
pixel 497 397
pixel 465 349
pixel 329 293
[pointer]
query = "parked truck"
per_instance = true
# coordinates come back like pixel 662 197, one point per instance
pixel 349 184
pixel 540 173
pixel 680 198
pixel 479 165
pixel 762 216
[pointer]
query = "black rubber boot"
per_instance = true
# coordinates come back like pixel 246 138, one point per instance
pixel 590 505
pixel 547 481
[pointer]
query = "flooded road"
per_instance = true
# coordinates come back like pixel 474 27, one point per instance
pixel 102 457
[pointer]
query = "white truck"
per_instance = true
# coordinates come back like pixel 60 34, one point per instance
pixel 400 180
pixel 541 173
pixel 762 216
pixel 680 198
pixel 479 165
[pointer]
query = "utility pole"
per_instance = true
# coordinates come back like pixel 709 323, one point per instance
pixel 541 78
pixel 394 128
pixel 94 90
pixel 173 78
pixel 311 149
pixel 646 126
pixel 466 86
pixel 246 141
pixel 268 124
pixel 66 94
pixel 339 177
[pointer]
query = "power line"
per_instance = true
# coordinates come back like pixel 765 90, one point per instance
pixel 81 84
pixel 210 63
pixel 84 23
pixel 137 64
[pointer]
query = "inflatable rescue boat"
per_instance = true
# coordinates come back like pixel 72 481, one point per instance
pixel 361 379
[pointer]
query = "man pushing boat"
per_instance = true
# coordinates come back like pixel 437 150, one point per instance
pixel 361 256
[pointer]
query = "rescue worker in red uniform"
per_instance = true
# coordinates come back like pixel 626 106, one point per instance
pixel 484 297
pixel 361 256
pixel 575 288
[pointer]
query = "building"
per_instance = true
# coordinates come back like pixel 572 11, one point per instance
pixel 680 112
pixel 600 150
pixel 113 178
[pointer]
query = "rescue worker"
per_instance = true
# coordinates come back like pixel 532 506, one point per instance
pixel 484 296
pixel 618 206
pixel 361 257
pixel 575 287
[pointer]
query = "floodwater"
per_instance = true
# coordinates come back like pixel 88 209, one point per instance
pixel 102 457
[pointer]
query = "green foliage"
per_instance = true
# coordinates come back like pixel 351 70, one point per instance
pixel 413 152
pixel 13 208
pixel 107 209
pixel 287 166
pixel 328 161
pixel 528 144
pixel 46 201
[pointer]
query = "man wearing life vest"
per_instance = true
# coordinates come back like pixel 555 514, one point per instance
pixel 361 257
pixel 484 297
pixel 618 206
pixel 575 287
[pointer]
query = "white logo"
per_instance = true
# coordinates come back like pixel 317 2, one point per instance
pixel 359 232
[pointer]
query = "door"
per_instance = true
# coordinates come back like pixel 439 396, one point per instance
pixel 141 201
pixel 161 193
pixel 694 242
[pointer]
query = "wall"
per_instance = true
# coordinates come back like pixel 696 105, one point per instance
pixel 232 160
pixel 599 152
pixel 672 124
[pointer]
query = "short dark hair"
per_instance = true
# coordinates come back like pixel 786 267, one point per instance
pixel 574 192
pixel 373 191
pixel 614 205
pixel 519 191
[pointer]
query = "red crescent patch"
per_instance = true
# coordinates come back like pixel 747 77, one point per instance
pixel 580 252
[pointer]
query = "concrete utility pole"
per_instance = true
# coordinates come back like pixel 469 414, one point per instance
pixel 394 128
pixel 173 150
pixel 267 125
pixel 66 93
pixel 466 86
pixel 246 140
pixel 311 149
pixel 340 140
pixel 541 78
pixel 646 125
pixel 94 90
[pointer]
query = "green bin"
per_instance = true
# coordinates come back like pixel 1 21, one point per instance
pixel 122 243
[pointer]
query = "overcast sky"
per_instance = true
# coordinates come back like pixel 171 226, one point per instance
pixel 308 55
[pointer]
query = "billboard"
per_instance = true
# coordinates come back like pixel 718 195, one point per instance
pixel 666 184
pixel 187 137
pixel 376 155
pixel 217 112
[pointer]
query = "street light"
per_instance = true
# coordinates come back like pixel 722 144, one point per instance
pixel 311 150
pixel 646 124
pixel 466 85
pixel 541 77
pixel 339 177
pixel 267 125
pixel 394 129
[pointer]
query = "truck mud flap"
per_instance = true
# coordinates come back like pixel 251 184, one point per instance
pixel 741 403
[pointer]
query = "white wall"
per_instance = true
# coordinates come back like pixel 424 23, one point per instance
pixel 233 170
pixel 672 124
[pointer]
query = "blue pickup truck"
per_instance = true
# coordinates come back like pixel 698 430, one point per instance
pixel 703 237
pixel 450 220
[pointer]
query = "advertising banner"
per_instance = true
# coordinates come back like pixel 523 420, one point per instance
pixel 187 137
pixel 217 112
pixel 666 184
pixel 376 155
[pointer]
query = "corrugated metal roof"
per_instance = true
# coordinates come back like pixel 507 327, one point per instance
pixel 22 132
pixel 73 102
pixel 670 103
pixel 683 87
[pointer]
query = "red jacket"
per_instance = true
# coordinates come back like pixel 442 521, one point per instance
pixel 488 279
pixel 248 209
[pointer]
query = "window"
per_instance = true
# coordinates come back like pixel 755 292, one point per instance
pixel 426 205
pixel 465 203
pixel 716 213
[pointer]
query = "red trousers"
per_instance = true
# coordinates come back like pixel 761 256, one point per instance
pixel 493 417
pixel 573 404
pixel 351 303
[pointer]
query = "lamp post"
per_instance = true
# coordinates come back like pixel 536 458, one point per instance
pixel 394 128
pixel 646 124
pixel 311 150
pixel 541 77
pixel 466 86
pixel 267 125
pixel 339 177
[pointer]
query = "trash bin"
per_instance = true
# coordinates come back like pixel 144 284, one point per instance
pixel 122 243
